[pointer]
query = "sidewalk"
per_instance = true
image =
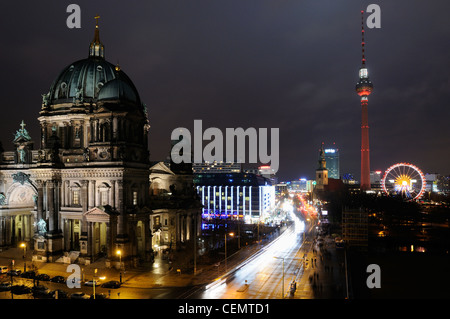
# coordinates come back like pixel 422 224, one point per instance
pixel 324 276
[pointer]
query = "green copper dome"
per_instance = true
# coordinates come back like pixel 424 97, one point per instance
pixel 83 81
pixel 118 89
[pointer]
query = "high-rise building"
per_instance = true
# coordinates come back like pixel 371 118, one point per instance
pixel 364 87
pixel 375 178
pixel 332 161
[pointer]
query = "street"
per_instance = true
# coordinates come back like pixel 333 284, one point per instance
pixel 265 273
pixel 317 270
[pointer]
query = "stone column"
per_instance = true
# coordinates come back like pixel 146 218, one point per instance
pixel 114 129
pixel 188 227
pixel 40 200
pixel 67 193
pixel 120 207
pixel 63 194
pixel 84 195
pixel 84 223
pixel 112 194
pixel 91 194
pixel 51 206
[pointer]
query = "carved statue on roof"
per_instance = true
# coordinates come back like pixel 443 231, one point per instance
pixel 22 134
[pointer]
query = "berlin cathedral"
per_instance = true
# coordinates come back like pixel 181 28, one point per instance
pixel 90 189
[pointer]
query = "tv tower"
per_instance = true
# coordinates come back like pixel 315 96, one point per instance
pixel 364 87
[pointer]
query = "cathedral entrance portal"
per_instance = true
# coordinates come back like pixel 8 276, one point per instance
pixel 100 236
pixel 16 220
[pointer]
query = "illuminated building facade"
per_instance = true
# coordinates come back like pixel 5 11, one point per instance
pixel 332 161
pixel 235 195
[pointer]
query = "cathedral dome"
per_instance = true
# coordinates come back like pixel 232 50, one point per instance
pixel 118 89
pixel 83 80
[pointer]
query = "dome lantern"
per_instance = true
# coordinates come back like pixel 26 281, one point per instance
pixel 96 48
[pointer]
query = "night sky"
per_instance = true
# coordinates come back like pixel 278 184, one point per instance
pixel 291 65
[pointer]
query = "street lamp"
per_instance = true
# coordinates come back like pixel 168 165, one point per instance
pixel 282 283
pixel 24 246
pixel 119 252
pixel 231 234
pixel 93 281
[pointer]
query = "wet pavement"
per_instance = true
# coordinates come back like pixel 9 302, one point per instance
pixel 321 276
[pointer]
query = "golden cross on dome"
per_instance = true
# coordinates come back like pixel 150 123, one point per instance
pixel 96 19
pixel 22 125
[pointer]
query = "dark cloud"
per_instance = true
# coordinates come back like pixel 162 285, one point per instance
pixel 287 64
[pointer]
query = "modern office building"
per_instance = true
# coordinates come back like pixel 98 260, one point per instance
pixel 235 195
pixel 332 161
pixel 216 167
pixel 268 172
pixel 375 178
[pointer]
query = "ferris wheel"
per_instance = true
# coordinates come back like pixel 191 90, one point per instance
pixel 405 180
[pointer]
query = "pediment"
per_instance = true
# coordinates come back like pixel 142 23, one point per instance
pixel 161 168
pixel 97 214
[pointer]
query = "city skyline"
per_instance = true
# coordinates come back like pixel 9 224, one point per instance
pixel 260 64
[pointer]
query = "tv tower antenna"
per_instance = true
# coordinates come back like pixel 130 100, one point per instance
pixel 364 88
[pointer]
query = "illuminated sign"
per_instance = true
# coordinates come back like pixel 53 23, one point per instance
pixel 330 150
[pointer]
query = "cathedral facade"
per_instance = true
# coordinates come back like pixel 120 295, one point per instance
pixel 86 189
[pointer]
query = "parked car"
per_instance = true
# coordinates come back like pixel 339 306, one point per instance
pixel 111 284
pixel 79 295
pixel 14 272
pixel 20 289
pixel 43 277
pixel 5 286
pixel 41 292
pixel 58 279
pixel 61 294
pixel 28 274
pixel 3 269
pixel 90 283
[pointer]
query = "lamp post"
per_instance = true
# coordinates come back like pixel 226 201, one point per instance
pixel 93 281
pixel 119 252
pixel 24 246
pixel 226 266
